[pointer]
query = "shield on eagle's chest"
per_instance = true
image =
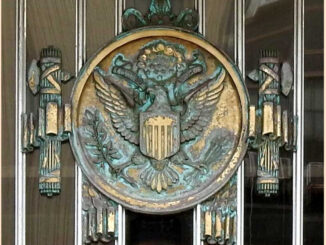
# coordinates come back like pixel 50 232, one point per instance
pixel 159 134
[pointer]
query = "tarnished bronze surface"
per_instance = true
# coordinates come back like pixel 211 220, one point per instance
pixel 268 125
pixel 99 216
pixel 54 118
pixel 219 215
pixel 159 120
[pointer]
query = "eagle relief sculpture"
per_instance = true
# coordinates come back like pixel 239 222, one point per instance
pixel 157 119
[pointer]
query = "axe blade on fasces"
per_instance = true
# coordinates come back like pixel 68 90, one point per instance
pixel 254 75
pixel 286 78
pixel 33 77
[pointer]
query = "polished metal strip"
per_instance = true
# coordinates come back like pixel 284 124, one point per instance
pixel 194 223
pixel 80 35
pixel 116 17
pixel 197 225
pixel 240 205
pixel 1 149
pixel 80 58
pixel 239 57
pixel 78 205
pixel 20 160
pixel 119 8
pixel 239 35
pixel 200 8
pixel 121 226
pixel 124 227
pixel 298 108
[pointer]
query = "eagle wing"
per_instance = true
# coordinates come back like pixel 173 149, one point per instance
pixel 200 108
pixel 124 119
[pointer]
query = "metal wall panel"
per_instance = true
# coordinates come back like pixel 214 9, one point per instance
pixel 50 220
pixel 100 15
pixel 8 121
pixel 219 25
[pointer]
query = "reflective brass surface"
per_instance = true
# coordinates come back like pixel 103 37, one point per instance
pixel 159 120
pixel 51 118
pixel 252 121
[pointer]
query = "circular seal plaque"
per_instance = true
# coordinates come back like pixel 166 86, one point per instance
pixel 159 120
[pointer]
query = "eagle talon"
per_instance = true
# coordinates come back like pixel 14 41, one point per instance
pixel 119 169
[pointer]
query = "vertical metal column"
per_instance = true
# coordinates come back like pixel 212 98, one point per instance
pixel 239 57
pixel 1 70
pixel 298 108
pixel 200 8
pixel 119 8
pixel 121 226
pixel 20 160
pixel 80 59
pixel 78 205
pixel 197 226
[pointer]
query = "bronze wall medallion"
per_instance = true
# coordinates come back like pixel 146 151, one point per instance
pixel 159 120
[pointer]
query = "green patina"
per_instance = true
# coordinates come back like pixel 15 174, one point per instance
pixel 160 13
pixel 46 78
pixel 157 84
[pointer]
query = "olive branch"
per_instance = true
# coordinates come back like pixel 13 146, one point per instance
pixel 97 143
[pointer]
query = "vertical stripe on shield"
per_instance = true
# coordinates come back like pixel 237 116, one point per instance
pixel 158 140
